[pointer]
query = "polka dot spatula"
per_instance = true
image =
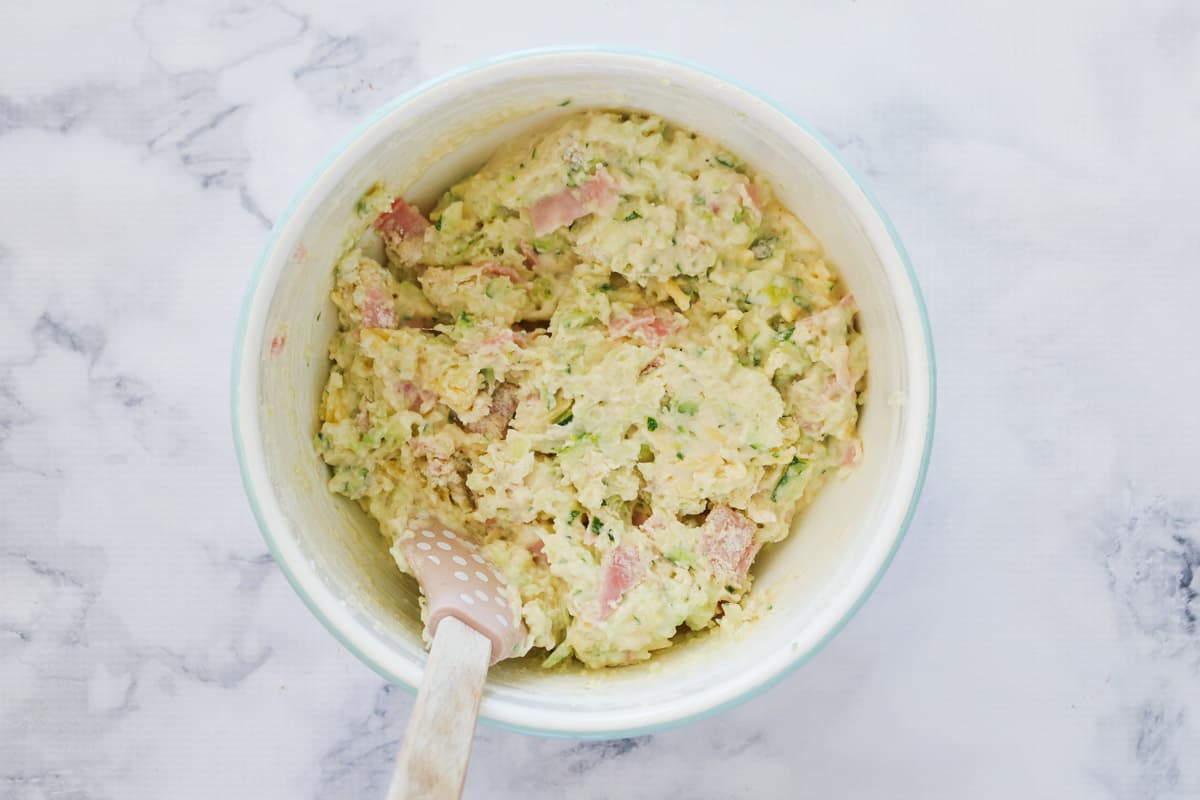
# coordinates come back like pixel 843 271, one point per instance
pixel 473 618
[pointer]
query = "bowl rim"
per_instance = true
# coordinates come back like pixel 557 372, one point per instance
pixel 253 299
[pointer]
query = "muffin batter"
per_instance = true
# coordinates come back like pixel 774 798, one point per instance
pixel 612 357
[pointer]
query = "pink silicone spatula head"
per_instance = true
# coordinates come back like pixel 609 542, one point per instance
pixel 458 581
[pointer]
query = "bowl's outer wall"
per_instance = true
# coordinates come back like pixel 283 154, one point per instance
pixel 334 556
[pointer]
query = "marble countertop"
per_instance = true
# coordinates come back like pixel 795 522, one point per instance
pixel 1037 634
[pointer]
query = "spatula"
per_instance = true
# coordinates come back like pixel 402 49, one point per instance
pixel 473 624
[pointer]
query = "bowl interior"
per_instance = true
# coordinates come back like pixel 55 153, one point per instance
pixel 335 555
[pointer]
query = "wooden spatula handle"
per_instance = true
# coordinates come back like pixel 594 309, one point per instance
pixel 437 745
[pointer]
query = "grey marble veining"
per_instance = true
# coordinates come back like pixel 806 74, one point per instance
pixel 1037 635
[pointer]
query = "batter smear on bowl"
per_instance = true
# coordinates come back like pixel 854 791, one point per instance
pixel 612 357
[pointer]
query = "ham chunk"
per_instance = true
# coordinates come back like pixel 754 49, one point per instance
pixel 403 231
pixel 530 254
pixel 495 423
pixel 500 340
pixel 828 322
pixel 728 542
pixel 562 208
pixel 538 551
pixel 501 271
pixel 651 326
pixel 620 569
pixel 365 293
pixel 373 296
pixel 750 195
pixel 378 310
pixel 853 455
pixel 414 397
pixel 402 220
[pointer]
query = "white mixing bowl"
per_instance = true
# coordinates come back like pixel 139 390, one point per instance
pixel 418 144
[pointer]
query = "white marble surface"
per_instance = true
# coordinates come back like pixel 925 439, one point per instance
pixel 1037 635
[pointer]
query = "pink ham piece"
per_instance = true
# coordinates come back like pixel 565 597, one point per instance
pixel 416 398
pixel 854 453
pixel 728 541
pixel 504 406
pixel 751 195
pixel 372 296
pixel 538 551
pixel 620 569
pixel 562 208
pixel 651 325
pixel 402 220
pixel 501 270
pixel 531 255
pixel 827 321
pixel 378 307
pixel 500 339
pixel 654 524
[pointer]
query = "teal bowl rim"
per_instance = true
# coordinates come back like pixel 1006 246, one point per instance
pixel 337 151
